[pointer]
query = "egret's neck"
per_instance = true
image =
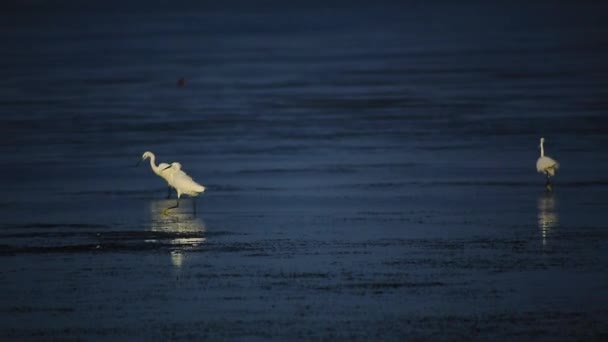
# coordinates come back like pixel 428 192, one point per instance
pixel 153 163
pixel 542 149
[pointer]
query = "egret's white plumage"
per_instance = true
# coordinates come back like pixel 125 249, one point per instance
pixel 182 183
pixel 162 170
pixel 546 164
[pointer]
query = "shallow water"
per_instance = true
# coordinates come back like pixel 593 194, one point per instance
pixel 370 172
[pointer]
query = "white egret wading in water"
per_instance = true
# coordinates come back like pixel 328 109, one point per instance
pixel 162 170
pixel 183 184
pixel 545 164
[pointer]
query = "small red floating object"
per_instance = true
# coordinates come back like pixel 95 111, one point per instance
pixel 181 82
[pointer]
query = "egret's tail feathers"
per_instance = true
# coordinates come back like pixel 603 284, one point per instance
pixel 195 189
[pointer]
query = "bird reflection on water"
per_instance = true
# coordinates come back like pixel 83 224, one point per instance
pixel 183 231
pixel 548 217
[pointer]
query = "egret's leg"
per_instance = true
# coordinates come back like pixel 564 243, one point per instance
pixel 548 185
pixel 166 211
pixel 168 192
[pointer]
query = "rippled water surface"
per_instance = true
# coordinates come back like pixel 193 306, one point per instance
pixel 370 171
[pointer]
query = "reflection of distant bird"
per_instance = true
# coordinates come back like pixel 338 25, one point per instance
pixel 547 215
pixel 545 164
pixel 162 170
pixel 183 184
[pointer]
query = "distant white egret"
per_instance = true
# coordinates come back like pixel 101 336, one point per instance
pixel 545 164
pixel 162 170
pixel 183 184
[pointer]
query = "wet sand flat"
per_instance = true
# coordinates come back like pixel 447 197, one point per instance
pixel 465 271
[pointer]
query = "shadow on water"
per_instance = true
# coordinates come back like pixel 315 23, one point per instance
pixel 180 226
pixel 548 218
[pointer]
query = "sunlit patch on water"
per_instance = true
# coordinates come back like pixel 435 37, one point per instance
pixel 180 221
pixel 177 258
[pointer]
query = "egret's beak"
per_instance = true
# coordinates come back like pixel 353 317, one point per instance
pixel 168 167
pixel 139 162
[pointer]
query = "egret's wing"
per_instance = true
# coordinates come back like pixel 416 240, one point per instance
pixel 182 177
pixel 182 181
pixel 540 166
pixel 186 184
pixel 550 162
pixel 165 171
pixel 544 164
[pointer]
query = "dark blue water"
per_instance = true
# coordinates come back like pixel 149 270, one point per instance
pixel 370 170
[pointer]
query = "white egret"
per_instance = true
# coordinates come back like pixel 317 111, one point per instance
pixel 545 164
pixel 162 170
pixel 183 184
